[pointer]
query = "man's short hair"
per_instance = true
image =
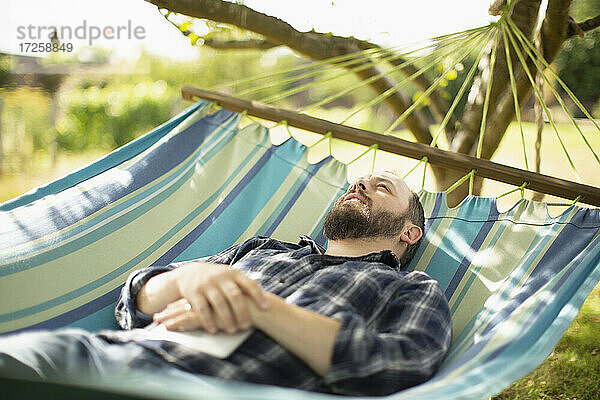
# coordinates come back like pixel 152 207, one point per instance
pixel 416 215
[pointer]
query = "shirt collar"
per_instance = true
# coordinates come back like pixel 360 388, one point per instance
pixel 314 246
pixel 385 256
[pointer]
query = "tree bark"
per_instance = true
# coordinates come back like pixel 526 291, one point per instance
pixel 581 27
pixel 256 44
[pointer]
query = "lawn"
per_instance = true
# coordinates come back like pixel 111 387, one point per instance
pixel 572 371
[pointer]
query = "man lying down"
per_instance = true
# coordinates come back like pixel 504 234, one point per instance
pixel 347 320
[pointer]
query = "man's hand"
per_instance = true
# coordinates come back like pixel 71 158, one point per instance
pixel 211 297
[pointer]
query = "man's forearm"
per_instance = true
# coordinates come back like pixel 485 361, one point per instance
pixel 159 291
pixel 308 335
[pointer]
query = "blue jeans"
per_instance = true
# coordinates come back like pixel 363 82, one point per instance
pixel 77 356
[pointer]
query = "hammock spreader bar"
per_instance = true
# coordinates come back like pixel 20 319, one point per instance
pixel 461 162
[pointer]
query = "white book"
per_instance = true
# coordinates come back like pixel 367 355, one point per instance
pixel 219 344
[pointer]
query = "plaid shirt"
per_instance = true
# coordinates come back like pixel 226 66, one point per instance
pixel 395 325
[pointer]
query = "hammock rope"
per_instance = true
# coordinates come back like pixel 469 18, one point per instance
pixel 461 181
pixel 458 97
pixel 449 52
pixel 402 83
pixel 426 161
pixel 408 111
pixel 422 160
pixel 362 83
pixel 511 36
pixel 543 104
pixel 369 80
pixel 554 74
pixel 364 153
pixel 520 188
pixel 513 85
pixel 486 102
pixel 362 58
pixel 329 63
pixel 378 99
pixel 526 46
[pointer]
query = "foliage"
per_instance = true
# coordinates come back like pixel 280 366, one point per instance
pixel 25 120
pixel 5 70
pixel 578 63
pixel 579 66
pixel 109 117
pixel 584 9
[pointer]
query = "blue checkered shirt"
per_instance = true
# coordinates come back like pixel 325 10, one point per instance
pixel 395 325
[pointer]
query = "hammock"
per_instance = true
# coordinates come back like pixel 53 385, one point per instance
pixel 200 183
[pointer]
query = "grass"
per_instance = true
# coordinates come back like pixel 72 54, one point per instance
pixel 572 371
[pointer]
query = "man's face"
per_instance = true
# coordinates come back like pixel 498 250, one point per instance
pixel 373 206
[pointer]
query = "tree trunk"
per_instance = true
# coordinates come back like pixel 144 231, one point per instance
pixel 501 106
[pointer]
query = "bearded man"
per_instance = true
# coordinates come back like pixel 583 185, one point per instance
pixel 348 320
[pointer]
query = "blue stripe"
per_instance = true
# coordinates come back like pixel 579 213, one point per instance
pixel 548 267
pixel 178 248
pixel 541 318
pixel 565 248
pixel 172 252
pixel 473 249
pixel 430 226
pixel 303 184
pixel 239 209
pixel 444 263
pixel 89 311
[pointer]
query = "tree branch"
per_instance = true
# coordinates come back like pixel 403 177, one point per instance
pixel 587 25
pixel 258 44
pixel 315 45
pixel 524 15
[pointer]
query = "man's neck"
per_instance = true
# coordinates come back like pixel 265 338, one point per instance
pixel 360 247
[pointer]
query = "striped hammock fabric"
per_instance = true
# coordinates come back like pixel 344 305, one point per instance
pixel 200 183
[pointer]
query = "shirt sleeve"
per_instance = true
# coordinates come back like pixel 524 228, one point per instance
pixel 400 348
pixel 126 313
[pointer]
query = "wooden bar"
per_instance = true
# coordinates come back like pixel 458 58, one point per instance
pixel 461 162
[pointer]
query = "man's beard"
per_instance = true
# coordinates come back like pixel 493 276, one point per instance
pixel 360 221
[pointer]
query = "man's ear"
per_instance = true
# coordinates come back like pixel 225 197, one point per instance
pixel 411 234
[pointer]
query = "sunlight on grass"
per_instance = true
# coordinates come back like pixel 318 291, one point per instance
pixel 41 171
pixel 572 371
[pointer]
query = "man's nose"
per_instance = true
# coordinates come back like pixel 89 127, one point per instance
pixel 361 184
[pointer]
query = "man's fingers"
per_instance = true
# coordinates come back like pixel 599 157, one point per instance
pixel 203 311
pixel 183 322
pixel 253 290
pixel 237 302
pixel 171 310
pixel 220 307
